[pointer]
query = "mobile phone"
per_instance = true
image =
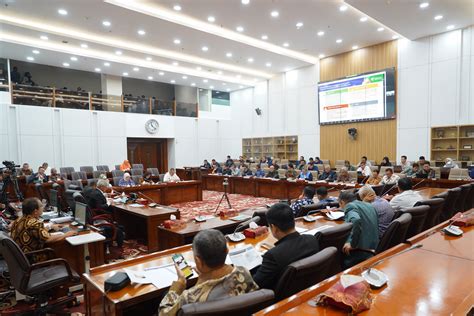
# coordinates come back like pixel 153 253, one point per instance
pixel 182 265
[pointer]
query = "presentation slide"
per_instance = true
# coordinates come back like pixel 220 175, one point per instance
pixel 352 99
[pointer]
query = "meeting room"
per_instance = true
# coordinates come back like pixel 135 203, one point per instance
pixel 237 157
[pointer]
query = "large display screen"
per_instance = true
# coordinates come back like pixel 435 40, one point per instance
pixel 363 97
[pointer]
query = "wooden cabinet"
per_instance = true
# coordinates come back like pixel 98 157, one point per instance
pixel 455 142
pixel 281 147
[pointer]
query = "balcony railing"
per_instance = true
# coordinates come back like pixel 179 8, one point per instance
pixel 58 98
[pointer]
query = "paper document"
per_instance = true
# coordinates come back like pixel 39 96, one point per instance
pixel 60 220
pixel 84 239
pixel 246 257
pixel 300 229
pixel 137 277
pixel 335 215
pixel 136 205
pixel 314 231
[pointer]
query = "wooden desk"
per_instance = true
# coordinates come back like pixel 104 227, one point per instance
pixel 142 222
pixel 428 193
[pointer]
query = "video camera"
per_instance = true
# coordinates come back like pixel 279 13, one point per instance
pixel 9 165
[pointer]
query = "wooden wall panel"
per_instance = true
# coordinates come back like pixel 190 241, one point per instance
pixel 375 139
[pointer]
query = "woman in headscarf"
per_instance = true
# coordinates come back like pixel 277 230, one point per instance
pixel 449 163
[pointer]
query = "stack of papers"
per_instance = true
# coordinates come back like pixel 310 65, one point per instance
pixel 161 276
pixel 335 215
pixel 136 205
pixel 300 229
pixel 315 230
pixel 247 257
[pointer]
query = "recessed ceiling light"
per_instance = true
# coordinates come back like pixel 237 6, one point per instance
pixel 177 41
pixel 211 19
pixel 30 58
pixel 136 69
pixel 141 32
pixel 343 8
pixel 245 1
pixel 264 37
pixel 380 29
pixel 238 76
pixel 229 54
pixel 66 64
pixel 205 80
pixel 175 63
pixel 450 27
pixel 321 56
pixel 150 78
pixel 339 41
pixel 172 81
pixel 36 51
pixel 44 37
pixel 106 64
pixel 286 44
pixel 250 60
pixel 275 14
pixel 193 84
pixel 62 12
pixel 211 87
pixel 198 68
pixel 97 69
pixel 268 64
pixel 424 5
pixel 219 72
pixel 204 48
pixel 227 89
pixel 74 58
pixel 224 84
pixel 355 47
pixel 241 87
pixel 394 36
pixel 320 33
pixel 299 25
pixel 185 77
pixel 118 52
pixel 177 7
pixel 239 28
pixel 106 23
pixel 125 73
pixel 363 19
pixel 161 73
pixel 149 58
pixel 83 45
pixel 287 69
pixel 438 17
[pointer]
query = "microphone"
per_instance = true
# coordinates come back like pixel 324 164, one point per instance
pixel 147 197
pixel 415 246
pixel 419 183
pixel 245 223
pixel 365 179
pixel 390 188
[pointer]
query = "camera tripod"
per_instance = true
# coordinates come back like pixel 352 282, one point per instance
pixel 224 196
pixel 7 180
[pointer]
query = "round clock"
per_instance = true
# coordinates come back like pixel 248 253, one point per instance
pixel 151 126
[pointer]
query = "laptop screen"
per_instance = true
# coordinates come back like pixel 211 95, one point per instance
pixel 80 213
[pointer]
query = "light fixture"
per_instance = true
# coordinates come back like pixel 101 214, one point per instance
pixel 450 27
pixel 380 29
pixel 106 23
pixel 73 58
pixel 355 47
pixel 395 37
pixel 30 58
pixel 161 73
pixel 238 76
pixel 224 84
pixel 198 68
pixel 239 28
pixel 118 52
pixel 264 37
pixel 363 19
pixel 227 89
pixel 62 12
pixel 97 69
pixel 424 5
pixel 136 69
pixel 125 73
pixel 320 33
pixel 299 25
pixel 177 41
pixel 211 87
pixel 339 41
pixel 44 37
pixel 241 87
pixel 106 64
pixel 275 14
pixel 438 17
pixel 245 2
pixel 150 78
pixel 321 56
pixel 343 8
pixel 193 84
pixel 66 64
pixel 268 64
pixel 175 63
pixel 84 45
pixel 229 54
pixel 219 72
pixel 149 58
pixel 285 44
pixel 250 60
pixel 36 51
pixel 177 7
pixel 211 19
pixel 205 80
pixel 141 32
pixel 172 81
pixel 287 69
pixel 204 48
pixel 185 77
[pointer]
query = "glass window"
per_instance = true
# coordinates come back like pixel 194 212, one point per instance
pixel 220 98
pixel 204 100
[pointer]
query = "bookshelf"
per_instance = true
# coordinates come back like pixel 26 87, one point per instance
pixel 456 142
pixel 281 147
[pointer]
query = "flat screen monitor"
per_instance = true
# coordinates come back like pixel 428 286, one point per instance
pixel 80 213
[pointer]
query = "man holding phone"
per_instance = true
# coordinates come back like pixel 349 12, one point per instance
pixel 217 280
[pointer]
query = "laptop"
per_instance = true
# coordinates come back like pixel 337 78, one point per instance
pixel 80 213
pixel 53 202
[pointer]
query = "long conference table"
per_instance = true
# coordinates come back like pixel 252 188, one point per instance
pixel 116 303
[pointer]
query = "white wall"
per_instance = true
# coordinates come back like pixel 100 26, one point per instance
pixel 435 87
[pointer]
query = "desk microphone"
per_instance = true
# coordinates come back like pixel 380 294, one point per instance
pixel 147 197
pixel 389 189
pixel 247 222
pixel 419 183
pixel 415 246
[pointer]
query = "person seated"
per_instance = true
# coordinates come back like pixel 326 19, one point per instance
pixel 171 176
pixel 389 177
pixel 415 168
pixel 365 231
pixel 245 171
pixel 206 165
pixel 301 164
pixel 39 177
pixel 147 178
pixel 374 178
pixel 226 171
pixel 216 279
pixel 126 181
pixel 26 170
pixel 125 166
pixel 275 165
pixel 234 171
pixel 263 160
pixel 241 160
pixel 384 211
pixel 407 197
pixel 365 161
pixel 229 162
pixel 269 161
pixel 291 172
pixel 323 196
pixel 55 176
pixel 348 165
pixel 364 169
pixel 306 198
pixel 328 174
pixel 386 162
pixel 47 170
pixel 272 173
pixel 95 196
pixel 344 175
pixel 30 233
pixel 305 174
pixel 311 163
pixel 259 173
pixel 318 161
pixel 421 160
pixel 426 172
pixel 216 168
pixel 406 166
pixel 449 163
pixel 290 247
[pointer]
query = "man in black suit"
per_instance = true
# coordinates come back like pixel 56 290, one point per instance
pixel 94 195
pixel 290 247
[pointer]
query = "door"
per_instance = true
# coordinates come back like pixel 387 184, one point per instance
pixel 151 153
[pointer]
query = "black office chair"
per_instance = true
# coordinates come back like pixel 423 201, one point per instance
pixel 335 237
pixel 472 197
pixel 117 173
pixel 262 213
pixel 137 172
pixel 305 209
pixel 468 190
pixel 418 218
pixel 97 173
pixel 102 168
pixel 436 207
pixel 137 166
pixel 86 169
pixel 460 203
pixel 154 171
pixel 450 197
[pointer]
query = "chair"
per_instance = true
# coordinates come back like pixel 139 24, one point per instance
pixel 436 207
pixel 40 191
pixel 91 181
pixel 137 179
pixel 383 168
pixel 282 173
pixel 116 181
pixel 86 169
pixel 102 168
pixel 372 162
pixel 461 201
pixel 153 171
pixel 137 172
pixel 79 175
pixel 96 174
pixel 137 166
pixel 66 171
pixel 117 173
pixel 335 237
pixel 162 176
pixel 245 304
pixel 326 162
pixel 352 175
pixel 468 191
pixel 73 185
pixel 305 209
pixel 418 218
pixel 458 174
pixel 117 167
pixel 70 199
pixel 305 272
pixel 450 197
pixel 262 213
pixel 472 195
pixel 37 279
pixel 374 168
pixel 340 163
pixel 320 166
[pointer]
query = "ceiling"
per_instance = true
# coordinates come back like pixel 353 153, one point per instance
pixel 185 47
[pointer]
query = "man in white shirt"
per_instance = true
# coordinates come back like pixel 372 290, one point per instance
pixel 365 161
pixel 407 197
pixel 171 176
pixel 404 163
pixel 389 177
pixel 364 169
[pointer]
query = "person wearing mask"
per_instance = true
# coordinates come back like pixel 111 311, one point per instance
pixel 404 164
pixel 245 171
pixel 389 177
pixel 328 174
pixel 323 196
pixel 126 181
pixel 364 169
pixel 365 232
pixel 206 165
pixel 348 165
pixel 374 178
pixel 15 75
pixel 384 211
pixel 125 166
pixel 171 176
pixel 291 172
pixel 426 172
pixel 259 173
pixel 272 173
pixel 306 198
pixel 290 247
pixel 147 178
pixel 39 177
pixel 343 175
pixel 26 170
pixel 449 163
pixel 55 176
pixel 216 279
pixel 406 198
pixel 386 162
pixel 305 174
